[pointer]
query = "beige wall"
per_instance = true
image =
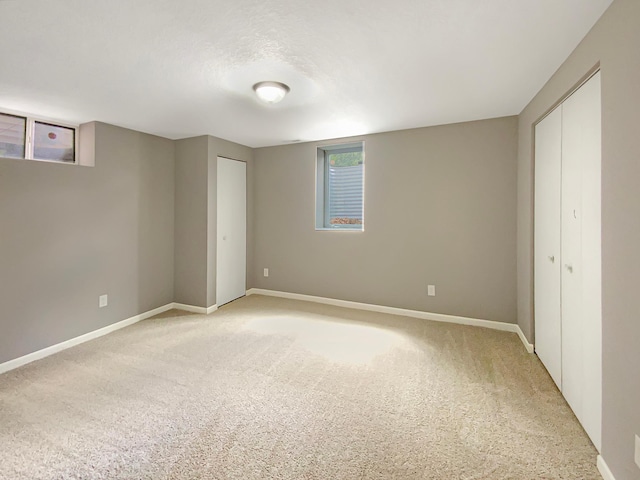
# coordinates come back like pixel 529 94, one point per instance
pixel 615 43
pixel 440 208
pixel 71 233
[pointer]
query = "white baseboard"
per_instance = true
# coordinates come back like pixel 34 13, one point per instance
pixel 194 309
pixel 437 317
pixel 603 468
pixel 529 346
pixel 45 352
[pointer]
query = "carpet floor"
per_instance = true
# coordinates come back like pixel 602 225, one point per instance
pixel 267 388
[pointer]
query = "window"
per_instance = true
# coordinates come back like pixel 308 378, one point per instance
pixel 13 131
pixel 53 142
pixel 26 137
pixel 340 187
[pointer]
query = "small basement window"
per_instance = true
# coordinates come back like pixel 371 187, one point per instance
pixel 34 139
pixel 340 187
pixel 13 134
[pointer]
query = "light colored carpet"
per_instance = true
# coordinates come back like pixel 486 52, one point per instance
pixel 277 389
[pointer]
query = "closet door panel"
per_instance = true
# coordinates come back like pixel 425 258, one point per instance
pixel 231 249
pixel 581 252
pixel 548 161
pixel 592 262
pixel 572 325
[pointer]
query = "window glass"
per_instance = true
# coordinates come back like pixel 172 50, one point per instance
pixel 52 142
pixel 345 189
pixel 340 187
pixel 12 136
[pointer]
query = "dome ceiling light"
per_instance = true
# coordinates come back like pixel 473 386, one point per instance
pixel 271 92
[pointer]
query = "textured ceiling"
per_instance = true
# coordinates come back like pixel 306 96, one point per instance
pixel 180 68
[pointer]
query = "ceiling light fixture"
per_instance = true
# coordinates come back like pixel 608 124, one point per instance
pixel 271 92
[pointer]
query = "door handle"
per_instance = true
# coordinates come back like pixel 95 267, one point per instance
pixel 552 258
pixel 569 267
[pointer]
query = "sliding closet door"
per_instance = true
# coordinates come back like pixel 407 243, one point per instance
pixel 581 256
pixel 548 167
pixel 231 258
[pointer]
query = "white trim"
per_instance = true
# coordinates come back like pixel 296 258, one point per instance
pixel 529 346
pixel 190 308
pixel 603 468
pixel 45 352
pixel 194 309
pixel 437 317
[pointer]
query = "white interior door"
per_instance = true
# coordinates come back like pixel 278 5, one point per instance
pixel 572 325
pixel 581 256
pixel 547 263
pixel 231 252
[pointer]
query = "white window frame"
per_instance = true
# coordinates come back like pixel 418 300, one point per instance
pixel 322 220
pixel 30 127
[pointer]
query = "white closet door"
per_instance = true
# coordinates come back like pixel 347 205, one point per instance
pixel 547 263
pixel 592 261
pixel 581 257
pixel 572 326
pixel 231 254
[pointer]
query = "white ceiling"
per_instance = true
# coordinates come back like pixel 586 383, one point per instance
pixel 180 68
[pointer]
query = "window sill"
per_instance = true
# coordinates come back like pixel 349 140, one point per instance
pixel 55 162
pixel 339 229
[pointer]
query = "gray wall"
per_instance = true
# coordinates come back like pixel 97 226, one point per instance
pixel 71 233
pixel 191 190
pixel 196 215
pixel 440 208
pixel 615 43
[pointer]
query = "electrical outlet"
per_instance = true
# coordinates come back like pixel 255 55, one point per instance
pixel 103 300
pixel 431 290
pixel 266 272
pixel 637 456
